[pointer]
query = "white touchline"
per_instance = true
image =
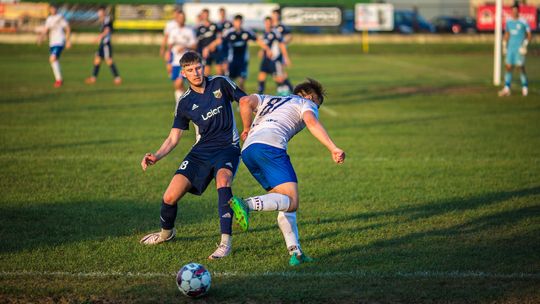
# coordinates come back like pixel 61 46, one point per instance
pixel 353 274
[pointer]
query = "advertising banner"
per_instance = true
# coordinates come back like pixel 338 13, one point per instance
pixel 374 17
pixel 253 14
pixel 485 20
pixel 142 17
pixel 311 16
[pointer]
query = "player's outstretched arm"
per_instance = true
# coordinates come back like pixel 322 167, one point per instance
pixel 317 129
pixel 285 53
pixel 264 47
pixel 68 37
pixel 248 104
pixel 167 146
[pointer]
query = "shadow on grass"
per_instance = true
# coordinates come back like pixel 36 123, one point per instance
pixel 34 226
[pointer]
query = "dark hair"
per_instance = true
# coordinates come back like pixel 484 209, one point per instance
pixel 102 7
pixel 178 9
pixel 516 4
pixel 222 9
pixel 310 87
pixel 267 18
pixel 190 57
pixel 205 10
pixel 277 10
pixel 238 17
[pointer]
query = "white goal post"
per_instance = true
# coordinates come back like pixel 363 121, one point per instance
pixel 497 58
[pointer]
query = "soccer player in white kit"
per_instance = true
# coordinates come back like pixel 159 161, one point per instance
pixel 59 34
pixel 277 120
pixel 169 26
pixel 181 40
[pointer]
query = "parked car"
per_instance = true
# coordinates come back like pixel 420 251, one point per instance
pixel 408 22
pixel 456 25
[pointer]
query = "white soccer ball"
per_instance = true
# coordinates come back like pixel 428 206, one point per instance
pixel 193 280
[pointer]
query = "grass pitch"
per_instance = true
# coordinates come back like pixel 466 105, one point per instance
pixel 438 200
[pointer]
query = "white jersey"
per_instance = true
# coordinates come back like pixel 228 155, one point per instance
pixel 169 26
pixel 278 119
pixel 56 24
pixel 181 39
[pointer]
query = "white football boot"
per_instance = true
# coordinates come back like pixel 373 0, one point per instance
pixel 504 92
pixel 155 238
pixel 221 252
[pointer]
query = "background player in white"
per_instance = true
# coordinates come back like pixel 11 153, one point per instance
pixel 516 38
pixel 181 40
pixel 264 153
pixel 59 37
pixel 169 26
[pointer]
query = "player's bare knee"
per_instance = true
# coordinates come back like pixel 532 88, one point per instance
pixel 170 199
pixel 224 178
pixel 293 203
pixel 109 61
pixel 97 61
pixel 52 58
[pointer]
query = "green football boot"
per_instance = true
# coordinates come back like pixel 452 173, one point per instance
pixel 241 212
pixel 297 259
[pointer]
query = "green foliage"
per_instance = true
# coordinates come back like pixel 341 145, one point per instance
pixel 442 177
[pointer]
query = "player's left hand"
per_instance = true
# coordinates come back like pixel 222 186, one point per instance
pixel 205 53
pixel 523 50
pixel 68 44
pixel 338 156
pixel 244 135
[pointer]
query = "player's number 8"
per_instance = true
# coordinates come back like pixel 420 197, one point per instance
pixel 184 164
pixel 273 104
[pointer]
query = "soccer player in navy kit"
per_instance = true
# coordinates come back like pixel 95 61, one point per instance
pixel 274 61
pixel 237 40
pixel 206 33
pixel 104 49
pixel 224 26
pixel 215 155
pixel 286 37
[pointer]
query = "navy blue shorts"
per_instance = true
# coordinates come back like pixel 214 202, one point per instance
pixel 56 50
pixel 201 167
pixel 238 69
pixel 270 166
pixel 221 55
pixel 273 67
pixel 105 51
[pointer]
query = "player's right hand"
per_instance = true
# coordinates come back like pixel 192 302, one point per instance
pixel 338 156
pixel 205 53
pixel 523 50
pixel 148 160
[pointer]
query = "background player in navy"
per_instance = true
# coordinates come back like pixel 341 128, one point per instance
pixel 236 42
pixel 105 48
pixel 224 26
pixel 286 36
pixel 216 153
pixel 206 33
pixel 273 62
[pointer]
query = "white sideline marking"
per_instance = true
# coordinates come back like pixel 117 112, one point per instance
pixel 329 111
pixel 356 274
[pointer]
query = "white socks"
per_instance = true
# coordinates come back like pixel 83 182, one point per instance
pixel 178 94
pixel 269 202
pixel 226 239
pixel 289 228
pixel 55 65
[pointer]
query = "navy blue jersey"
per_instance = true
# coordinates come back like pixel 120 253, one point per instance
pixel 224 26
pixel 282 30
pixel 107 23
pixel 272 40
pixel 205 35
pixel 238 44
pixel 211 112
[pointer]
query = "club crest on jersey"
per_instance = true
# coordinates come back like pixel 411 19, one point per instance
pixel 217 93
